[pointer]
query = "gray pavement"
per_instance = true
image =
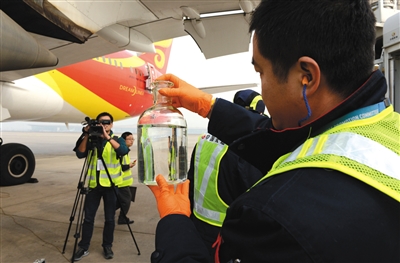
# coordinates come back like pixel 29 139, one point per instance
pixel 34 218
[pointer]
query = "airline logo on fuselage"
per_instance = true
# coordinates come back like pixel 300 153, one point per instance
pixel 132 90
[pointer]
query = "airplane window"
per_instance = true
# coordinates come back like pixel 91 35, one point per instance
pixel 115 63
pixel 103 58
pixel 131 69
pixel 120 64
pixel 109 61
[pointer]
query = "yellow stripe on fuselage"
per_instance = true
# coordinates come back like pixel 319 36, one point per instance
pixel 78 96
pixel 133 61
pixel 136 62
pixel 164 43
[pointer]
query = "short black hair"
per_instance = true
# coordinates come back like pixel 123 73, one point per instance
pixel 105 114
pixel 125 134
pixel 338 34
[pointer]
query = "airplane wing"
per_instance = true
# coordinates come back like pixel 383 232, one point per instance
pixel 55 41
pixel 224 88
pixel 39 35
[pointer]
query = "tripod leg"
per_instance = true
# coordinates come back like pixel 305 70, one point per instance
pixel 126 219
pixel 118 199
pixel 78 230
pixel 80 186
pixel 125 198
pixel 72 217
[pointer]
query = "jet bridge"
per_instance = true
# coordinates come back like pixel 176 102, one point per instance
pixel 387 45
pixel 391 58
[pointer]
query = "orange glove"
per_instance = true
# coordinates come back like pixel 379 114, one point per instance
pixel 186 96
pixel 169 202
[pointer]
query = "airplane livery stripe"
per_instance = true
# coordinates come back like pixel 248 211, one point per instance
pixel 128 59
pixel 126 62
pixel 121 87
pixel 160 59
pixel 78 96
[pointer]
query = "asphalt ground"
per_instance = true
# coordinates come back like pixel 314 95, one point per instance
pixel 38 220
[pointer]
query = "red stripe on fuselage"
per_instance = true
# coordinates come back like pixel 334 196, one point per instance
pixel 120 86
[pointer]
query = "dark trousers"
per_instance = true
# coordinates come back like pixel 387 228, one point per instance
pixel 125 200
pixel 92 203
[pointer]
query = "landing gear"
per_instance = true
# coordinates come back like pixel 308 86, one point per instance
pixel 17 164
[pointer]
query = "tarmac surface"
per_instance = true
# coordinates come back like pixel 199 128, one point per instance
pixel 35 217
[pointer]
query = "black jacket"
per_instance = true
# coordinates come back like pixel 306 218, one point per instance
pixel 304 215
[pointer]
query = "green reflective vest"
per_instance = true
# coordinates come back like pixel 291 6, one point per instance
pixel 208 205
pixel 147 150
pixel 127 177
pixel 113 166
pixel 367 148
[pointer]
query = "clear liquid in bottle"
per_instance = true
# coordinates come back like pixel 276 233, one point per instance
pixel 162 141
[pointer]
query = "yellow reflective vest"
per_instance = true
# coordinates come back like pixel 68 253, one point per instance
pixel 112 163
pixel 208 205
pixel 127 177
pixel 366 146
pixel 172 161
pixel 147 150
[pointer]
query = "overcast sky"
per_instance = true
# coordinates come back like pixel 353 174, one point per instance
pixel 188 63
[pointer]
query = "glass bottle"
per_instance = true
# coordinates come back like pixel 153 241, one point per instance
pixel 162 140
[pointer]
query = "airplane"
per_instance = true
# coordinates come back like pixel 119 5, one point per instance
pixel 41 35
pixel 118 83
pixel 43 38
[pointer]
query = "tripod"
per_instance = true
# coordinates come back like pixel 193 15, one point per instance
pixel 83 190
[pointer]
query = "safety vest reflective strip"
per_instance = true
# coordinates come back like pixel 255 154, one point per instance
pixel 112 164
pixel 147 155
pixel 253 104
pixel 366 156
pixel 127 177
pixel 208 206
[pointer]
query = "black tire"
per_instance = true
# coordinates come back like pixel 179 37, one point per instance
pixel 17 164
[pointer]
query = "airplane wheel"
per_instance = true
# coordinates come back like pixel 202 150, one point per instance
pixel 17 164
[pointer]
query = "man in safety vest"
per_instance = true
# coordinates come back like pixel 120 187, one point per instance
pixel 330 154
pixel 124 191
pixel 102 151
pixel 219 176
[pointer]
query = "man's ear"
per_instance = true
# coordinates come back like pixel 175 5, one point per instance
pixel 309 74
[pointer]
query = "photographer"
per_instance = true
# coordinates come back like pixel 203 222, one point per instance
pixel 98 138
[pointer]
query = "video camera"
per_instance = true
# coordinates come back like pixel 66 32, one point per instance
pixel 94 126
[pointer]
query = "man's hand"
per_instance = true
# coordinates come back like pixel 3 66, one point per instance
pixel 169 202
pixel 86 129
pixel 105 133
pixel 186 96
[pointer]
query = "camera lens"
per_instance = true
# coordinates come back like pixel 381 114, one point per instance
pixel 105 121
